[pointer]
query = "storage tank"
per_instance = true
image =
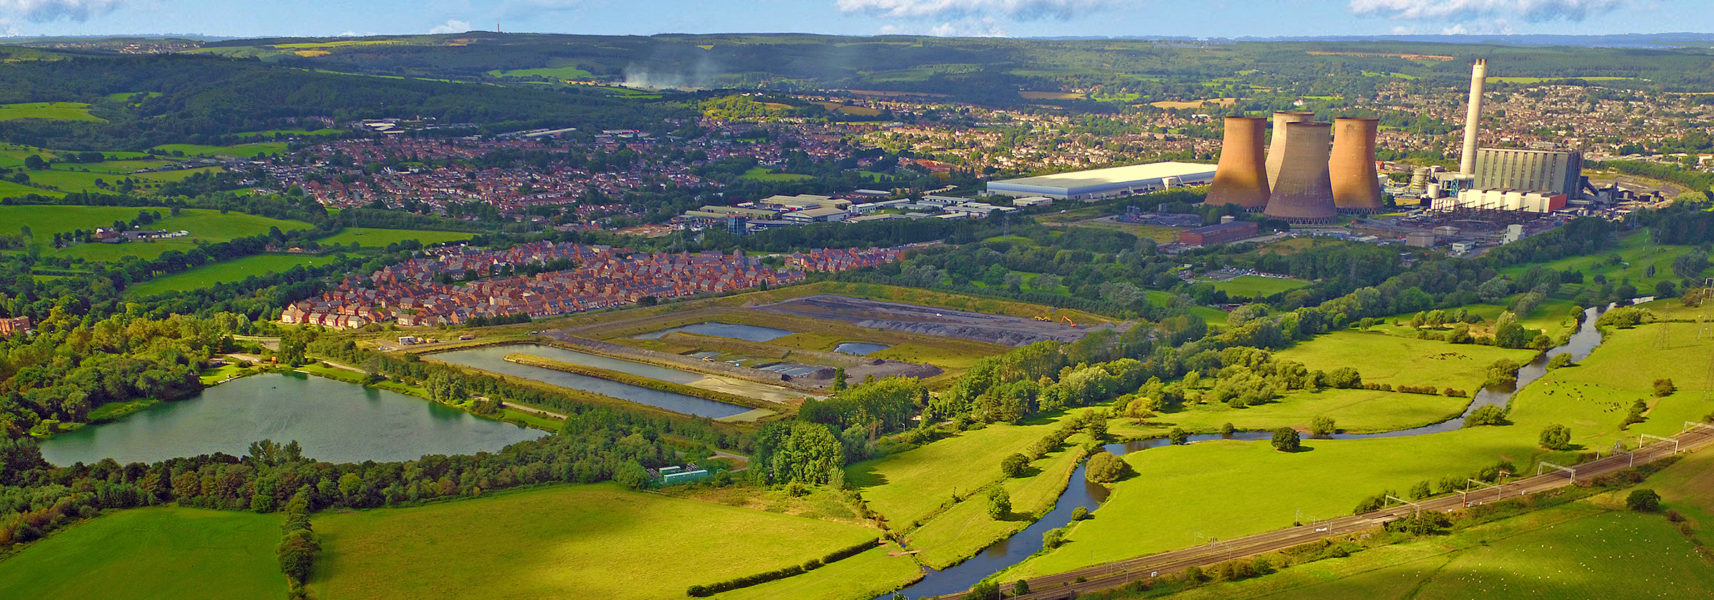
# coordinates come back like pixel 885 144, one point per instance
pixel 1304 193
pixel 1241 178
pixel 1356 184
pixel 1276 148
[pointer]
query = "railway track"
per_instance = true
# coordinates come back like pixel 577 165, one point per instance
pixel 1069 584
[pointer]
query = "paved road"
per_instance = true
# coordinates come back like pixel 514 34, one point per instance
pixel 1115 574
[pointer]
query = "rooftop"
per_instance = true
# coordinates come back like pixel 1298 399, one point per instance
pixel 1108 176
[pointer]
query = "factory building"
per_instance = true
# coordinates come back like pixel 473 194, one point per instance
pixel 1503 200
pixel 1100 184
pixel 1223 233
pixel 1546 171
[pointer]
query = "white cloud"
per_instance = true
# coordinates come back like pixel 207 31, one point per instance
pixel 1534 11
pixel 1014 10
pixel 49 10
pixel 451 26
pixel 7 29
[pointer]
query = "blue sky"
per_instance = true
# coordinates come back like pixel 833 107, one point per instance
pixel 1196 18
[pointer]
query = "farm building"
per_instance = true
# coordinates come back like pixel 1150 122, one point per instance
pixel 1099 184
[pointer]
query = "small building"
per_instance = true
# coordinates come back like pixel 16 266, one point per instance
pixel 1032 201
pixel 1223 233
pixel 680 475
pixel 1462 247
pixel 15 325
pixel 1420 239
pixel 407 340
pixel 815 215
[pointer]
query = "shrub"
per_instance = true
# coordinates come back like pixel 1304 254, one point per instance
pixel 1556 437
pixel 1643 500
pixel 1664 387
pixel 1020 588
pixel 1486 415
pixel 1080 513
pixel 1287 440
pixel 1104 467
pixel 1227 429
pixel 1559 360
pixel 1323 426
pixel 1014 465
pixel 999 504
pixel 1178 436
pixel 1052 539
pixel 986 590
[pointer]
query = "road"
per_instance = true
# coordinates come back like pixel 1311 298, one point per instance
pixel 1116 574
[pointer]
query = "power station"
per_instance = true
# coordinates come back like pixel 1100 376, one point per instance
pixel 1241 177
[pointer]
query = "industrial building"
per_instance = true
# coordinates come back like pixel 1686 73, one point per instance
pixel 1223 233
pixel 1546 171
pixel 1304 189
pixel 1502 200
pixel 1099 184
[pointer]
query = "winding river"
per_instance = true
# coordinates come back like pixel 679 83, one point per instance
pixel 1079 492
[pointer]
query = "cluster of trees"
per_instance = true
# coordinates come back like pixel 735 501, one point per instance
pixel 298 544
pixel 861 414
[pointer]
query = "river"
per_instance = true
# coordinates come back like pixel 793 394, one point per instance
pixel 333 420
pixel 493 358
pixel 1079 492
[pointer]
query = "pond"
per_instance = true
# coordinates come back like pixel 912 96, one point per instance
pixel 859 348
pixel 750 333
pixel 493 358
pixel 333 420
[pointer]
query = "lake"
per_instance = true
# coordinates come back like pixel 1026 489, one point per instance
pixel 333 420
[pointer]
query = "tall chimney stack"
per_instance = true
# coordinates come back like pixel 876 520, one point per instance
pixel 1241 178
pixel 1478 79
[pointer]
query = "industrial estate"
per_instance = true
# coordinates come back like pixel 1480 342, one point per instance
pixel 531 315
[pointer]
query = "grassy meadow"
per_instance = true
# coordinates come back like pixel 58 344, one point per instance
pixel 249 150
pixel 203 224
pixel 1402 361
pixel 368 237
pixel 56 111
pixel 150 553
pixel 1251 286
pixel 225 272
pixel 590 541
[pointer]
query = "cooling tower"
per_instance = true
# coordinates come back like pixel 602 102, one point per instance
pixel 1356 185
pixel 1276 149
pixel 1478 79
pixel 1240 177
pixel 1304 193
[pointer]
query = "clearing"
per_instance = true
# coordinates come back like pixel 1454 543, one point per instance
pixel 225 272
pixel 57 111
pixel 157 552
pixel 367 237
pixel 1398 360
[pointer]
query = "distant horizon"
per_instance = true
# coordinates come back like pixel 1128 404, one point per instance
pixel 1452 38
pixel 1020 19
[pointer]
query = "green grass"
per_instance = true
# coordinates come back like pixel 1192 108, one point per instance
pixel 769 175
pixel 966 528
pixel 1636 255
pixel 586 541
pixel 203 224
pixel 1688 487
pixel 225 272
pixel 1572 552
pixel 569 72
pixel 1397 360
pixel 57 111
pixel 1351 410
pixel 1251 286
pixel 381 238
pixel 250 150
pixel 67 178
pixel 292 132
pixel 866 575
pixel 908 486
pixel 152 553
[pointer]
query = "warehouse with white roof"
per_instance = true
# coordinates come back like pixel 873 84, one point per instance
pixel 1100 184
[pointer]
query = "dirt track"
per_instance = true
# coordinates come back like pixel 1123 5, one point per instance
pixel 942 322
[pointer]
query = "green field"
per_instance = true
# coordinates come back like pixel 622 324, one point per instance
pixel 1569 552
pixel 203 224
pixel 1251 286
pixel 1352 411
pixel 250 150
pixel 152 553
pixel 586 541
pixel 1635 256
pixel 57 111
pixel 569 72
pixel 771 176
pixel 1398 360
pixel 381 238
pixel 292 132
pixel 225 272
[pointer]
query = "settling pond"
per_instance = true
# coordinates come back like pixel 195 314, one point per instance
pixel 333 420
pixel 751 333
pixel 493 358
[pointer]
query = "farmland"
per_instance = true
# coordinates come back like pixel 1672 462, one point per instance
pixel 250 150
pixel 156 553
pixel 226 272
pixel 56 111
pixel 203 224
pixel 1251 286
pixel 380 238
pixel 1402 361
pixel 563 541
